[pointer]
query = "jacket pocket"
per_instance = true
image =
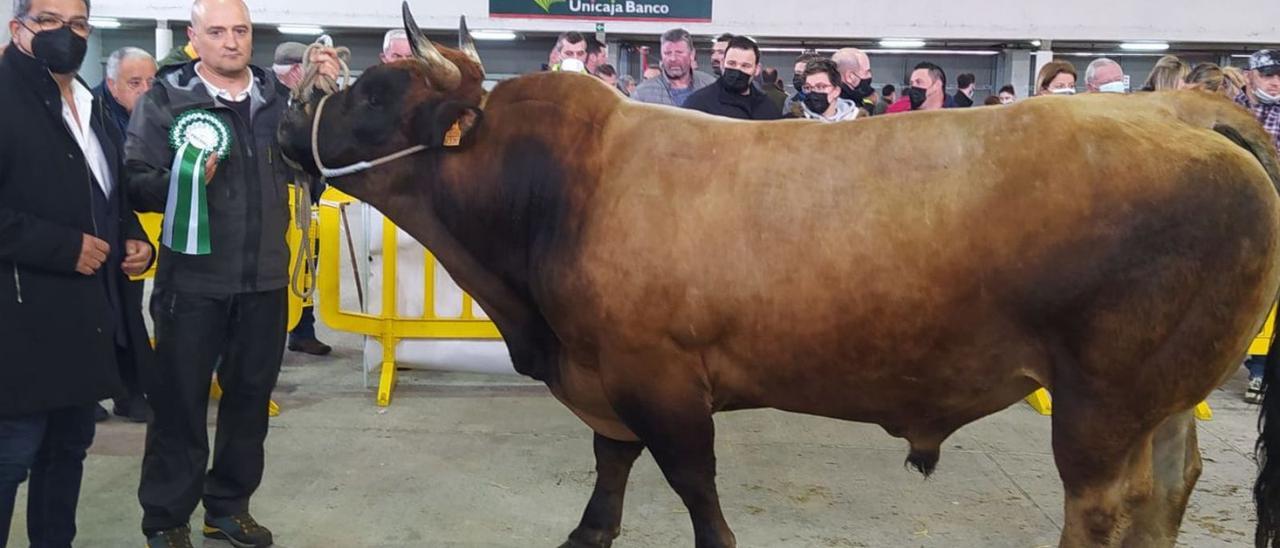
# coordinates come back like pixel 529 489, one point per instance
pixel 17 284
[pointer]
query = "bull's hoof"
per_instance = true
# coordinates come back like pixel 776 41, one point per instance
pixel 581 538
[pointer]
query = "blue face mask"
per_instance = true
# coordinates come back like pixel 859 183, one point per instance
pixel 1113 87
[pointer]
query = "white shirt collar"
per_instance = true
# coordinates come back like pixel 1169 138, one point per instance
pixel 82 130
pixel 219 93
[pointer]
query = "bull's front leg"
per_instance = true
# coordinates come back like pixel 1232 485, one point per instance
pixel 663 400
pixel 602 520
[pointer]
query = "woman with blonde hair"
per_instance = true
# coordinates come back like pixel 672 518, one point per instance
pixel 1234 85
pixel 1206 76
pixel 1168 73
pixel 1057 77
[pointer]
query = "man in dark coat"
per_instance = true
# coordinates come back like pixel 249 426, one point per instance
pixel 732 95
pixel 68 239
pixel 129 74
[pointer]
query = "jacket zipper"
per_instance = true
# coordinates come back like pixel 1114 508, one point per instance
pixel 17 283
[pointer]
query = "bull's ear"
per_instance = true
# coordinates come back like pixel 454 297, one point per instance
pixel 446 124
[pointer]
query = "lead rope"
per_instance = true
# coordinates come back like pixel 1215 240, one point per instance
pixel 302 281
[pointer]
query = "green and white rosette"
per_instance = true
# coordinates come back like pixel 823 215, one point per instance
pixel 195 135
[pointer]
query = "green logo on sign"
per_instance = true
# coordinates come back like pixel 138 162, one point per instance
pixel 546 4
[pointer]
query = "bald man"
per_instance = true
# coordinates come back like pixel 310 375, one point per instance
pixel 855 77
pixel 220 301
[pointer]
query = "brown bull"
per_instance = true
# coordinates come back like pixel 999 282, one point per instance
pixel 654 266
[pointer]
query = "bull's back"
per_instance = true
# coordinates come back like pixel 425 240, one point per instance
pixel 794 255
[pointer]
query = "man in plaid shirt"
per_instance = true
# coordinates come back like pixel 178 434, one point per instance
pixel 1263 93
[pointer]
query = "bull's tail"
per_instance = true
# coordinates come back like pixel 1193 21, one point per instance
pixel 1248 134
pixel 1266 490
pixel 1252 138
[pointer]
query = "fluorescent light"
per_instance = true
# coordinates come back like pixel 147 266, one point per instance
pixel 1145 46
pixel 899 43
pixel 1036 43
pixel 300 29
pixel 933 51
pixel 493 35
pixel 104 23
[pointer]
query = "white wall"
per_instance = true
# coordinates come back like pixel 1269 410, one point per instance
pixel 6 13
pixel 1243 21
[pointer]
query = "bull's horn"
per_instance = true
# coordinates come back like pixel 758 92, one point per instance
pixel 441 72
pixel 467 43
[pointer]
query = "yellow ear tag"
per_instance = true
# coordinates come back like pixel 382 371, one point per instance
pixel 453 136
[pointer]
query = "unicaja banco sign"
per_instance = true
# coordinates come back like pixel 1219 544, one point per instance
pixel 604 10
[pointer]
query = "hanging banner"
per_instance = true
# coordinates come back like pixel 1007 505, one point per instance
pixel 697 11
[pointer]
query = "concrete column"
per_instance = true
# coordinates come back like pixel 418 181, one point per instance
pixel 91 70
pixel 1017 65
pixel 164 39
pixel 1042 58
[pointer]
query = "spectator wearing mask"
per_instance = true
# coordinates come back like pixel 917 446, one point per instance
pixel 1007 94
pixel 773 87
pixel 965 85
pixel 597 54
pixel 1104 76
pixel 927 92
pixel 717 53
pixel 676 80
pixel 68 238
pixel 733 96
pixel 627 84
pixel 1261 95
pixel 288 63
pixel 1056 77
pixel 888 94
pixel 792 105
pixel 822 100
pixel 570 53
pixel 1168 74
pixel 395 47
pixel 855 77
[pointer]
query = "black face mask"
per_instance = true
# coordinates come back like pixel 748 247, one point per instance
pixel 798 82
pixel 917 96
pixel 856 93
pixel 817 103
pixel 61 50
pixel 735 81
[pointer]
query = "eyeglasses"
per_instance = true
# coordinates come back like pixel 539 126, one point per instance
pixel 820 88
pixel 49 21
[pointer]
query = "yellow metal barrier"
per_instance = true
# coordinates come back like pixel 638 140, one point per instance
pixel 151 223
pixel 388 327
pixel 1043 404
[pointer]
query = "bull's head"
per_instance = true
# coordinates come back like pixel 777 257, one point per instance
pixel 419 105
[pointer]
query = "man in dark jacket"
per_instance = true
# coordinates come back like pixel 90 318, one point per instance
pixel 733 95
pixel 222 301
pixel 67 240
pixel 129 74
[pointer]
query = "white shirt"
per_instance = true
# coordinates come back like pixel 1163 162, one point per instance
pixel 219 93
pixel 85 137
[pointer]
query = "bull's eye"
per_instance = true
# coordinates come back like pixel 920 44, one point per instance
pixel 374 101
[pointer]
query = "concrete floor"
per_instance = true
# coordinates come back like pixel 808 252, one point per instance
pixel 471 460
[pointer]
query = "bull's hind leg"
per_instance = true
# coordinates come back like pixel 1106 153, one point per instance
pixel 666 402
pixel 1125 487
pixel 1105 464
pixel 602 520
pixel 1175 468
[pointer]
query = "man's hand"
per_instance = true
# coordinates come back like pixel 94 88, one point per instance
pixel 210 167
pixel 327 61
pixel 137 257
pixel 93 252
